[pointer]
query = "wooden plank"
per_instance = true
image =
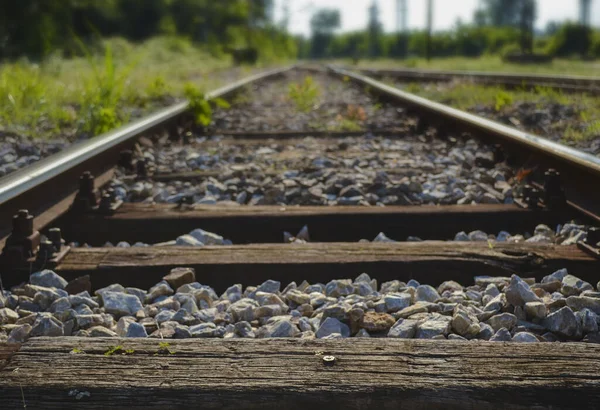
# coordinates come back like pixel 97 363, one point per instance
pixel 220 267
pixel 290 374
pixel 6 353
pixel 266 224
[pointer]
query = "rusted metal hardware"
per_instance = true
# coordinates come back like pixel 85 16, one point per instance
pixel 52 250
pixel 87 196
pixel 108 202
pixel 141 169
pixel 26 248
pixel 23 242
pixel 88 200
pixel 530 198
pixel 591 244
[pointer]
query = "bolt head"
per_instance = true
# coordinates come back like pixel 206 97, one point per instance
pixel 329 360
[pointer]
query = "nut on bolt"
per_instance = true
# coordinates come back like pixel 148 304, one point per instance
pixel 329 360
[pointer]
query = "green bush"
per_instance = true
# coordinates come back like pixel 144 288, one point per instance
pixel 571 39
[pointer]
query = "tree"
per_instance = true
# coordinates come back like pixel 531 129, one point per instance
pixel 323 25
pixel 375 30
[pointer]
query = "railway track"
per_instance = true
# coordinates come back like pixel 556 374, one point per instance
pixel 565 83
pixel 311 197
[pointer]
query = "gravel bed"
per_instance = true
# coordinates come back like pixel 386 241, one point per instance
pixel 333 171
pixel 20 147
pixel 544 117
pixel 561 307
pixel 337 106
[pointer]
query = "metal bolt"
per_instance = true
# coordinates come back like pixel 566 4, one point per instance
pixel 55 236
pixel 329 360
pixel 86 183
pixel 46 250
pixel 22 223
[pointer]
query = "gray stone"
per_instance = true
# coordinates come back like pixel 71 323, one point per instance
pixel 182 332
pixel 243 310
pixel 207 315
pixel 269 286
pixel 433 326
pixel 419 307
pixel 204 330
pixel 101 331
pixel 518 292
pixel 187 240
pixel 178 277
pixel 536 310
pixel 160 289
pixel 136 330
pixel 556 276
pixel 397 301
pixel 524 337
pixel 563 322
pixel 77 300
pixel 19 334
pixel 426 293
pixel 339 287
pixel 362 333
pixel 120 304
pixel 112 288
pixel 123 325
pixel 503 320
pixel 465 324
pixel 589 321
pixel 8 316
pixel 47 325
pixel 486 332
pixel 298 297
pixel 269 311
pixel 452 336
pixel 60 305
pixel 87 321
pixel 244 329
pixel 332 325
pixel 572 285
pixel 280 326
pixel 584 302
pixel 502 335
pixel 48 279
pixel 207 238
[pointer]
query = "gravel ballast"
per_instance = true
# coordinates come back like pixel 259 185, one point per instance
pixel 561 307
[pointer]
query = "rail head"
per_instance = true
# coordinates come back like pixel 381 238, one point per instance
pixel 567 154
pixel 25 179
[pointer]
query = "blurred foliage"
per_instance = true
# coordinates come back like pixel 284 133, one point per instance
pixel 305 94
pixel 36 28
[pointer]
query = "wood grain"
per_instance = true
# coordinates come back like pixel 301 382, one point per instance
pixel 276 374
pixel 266 224
pixel 220 267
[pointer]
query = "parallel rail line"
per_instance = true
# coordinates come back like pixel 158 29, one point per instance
pixel 68 372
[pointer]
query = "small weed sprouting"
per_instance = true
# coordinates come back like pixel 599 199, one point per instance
pixel 304 95
pixel 164 348
pixel 503 99
pixel 120 350
pixel 77 351
pixel 201 108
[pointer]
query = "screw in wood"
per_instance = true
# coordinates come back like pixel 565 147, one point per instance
pixel 329 360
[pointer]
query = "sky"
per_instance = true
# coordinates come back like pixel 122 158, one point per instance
pixel 355 16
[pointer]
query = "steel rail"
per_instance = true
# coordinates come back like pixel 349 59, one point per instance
pixel 45 170
pixel 548 78
pixel 582 170
pixel 582 84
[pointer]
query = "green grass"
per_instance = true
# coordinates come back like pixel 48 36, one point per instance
pixel 467 96
pixel 488 63
pixel 98 91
